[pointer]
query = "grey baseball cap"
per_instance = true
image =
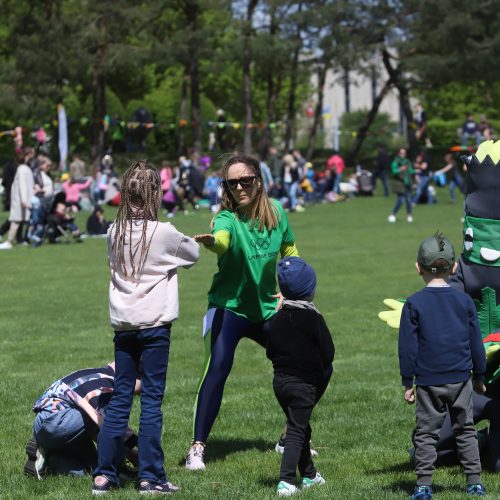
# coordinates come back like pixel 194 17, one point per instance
pixel 434 248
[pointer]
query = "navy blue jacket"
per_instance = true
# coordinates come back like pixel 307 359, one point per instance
pixel 439 338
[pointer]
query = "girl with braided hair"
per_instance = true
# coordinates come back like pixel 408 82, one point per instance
pixel 248 233
pixel 144 255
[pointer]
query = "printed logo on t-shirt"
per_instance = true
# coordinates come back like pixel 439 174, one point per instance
pixel 261 243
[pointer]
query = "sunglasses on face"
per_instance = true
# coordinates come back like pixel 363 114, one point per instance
pixel 244 182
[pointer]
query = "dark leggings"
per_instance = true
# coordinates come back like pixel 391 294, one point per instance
pixel 485 408
pixel 223 330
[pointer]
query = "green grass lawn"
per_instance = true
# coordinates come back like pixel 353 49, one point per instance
pixel 54 319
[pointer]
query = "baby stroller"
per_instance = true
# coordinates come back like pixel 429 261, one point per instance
pixel 365 183
pixel 60 226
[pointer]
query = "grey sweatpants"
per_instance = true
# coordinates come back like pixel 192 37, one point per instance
pixel 432 403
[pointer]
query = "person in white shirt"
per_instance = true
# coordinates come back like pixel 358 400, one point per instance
pixel 144 255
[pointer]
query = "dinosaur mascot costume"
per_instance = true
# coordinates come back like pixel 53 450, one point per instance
pixel 478 274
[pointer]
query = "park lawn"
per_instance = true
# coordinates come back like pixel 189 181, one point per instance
pixel 54 319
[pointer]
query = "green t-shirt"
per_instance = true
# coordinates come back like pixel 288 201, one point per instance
pixel 246 280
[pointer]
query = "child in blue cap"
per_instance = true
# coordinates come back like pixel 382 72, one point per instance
pixel 301 349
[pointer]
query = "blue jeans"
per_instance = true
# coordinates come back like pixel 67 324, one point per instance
pixel 406 196
pixel 152 345
pixel 422 187
pixel 67 437
pixel 291 189
pixel 456 181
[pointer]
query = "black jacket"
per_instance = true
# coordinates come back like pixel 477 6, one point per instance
pixel 299 343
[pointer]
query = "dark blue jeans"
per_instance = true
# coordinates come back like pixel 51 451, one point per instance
pixel 152 345
pixel 400 197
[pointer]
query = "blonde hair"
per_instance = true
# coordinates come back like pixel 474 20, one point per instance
pixel 262 211
pixel 140 200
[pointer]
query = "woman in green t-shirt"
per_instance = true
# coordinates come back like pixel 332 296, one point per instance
pixel 248 233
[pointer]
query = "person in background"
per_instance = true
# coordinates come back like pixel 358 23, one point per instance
pixel 402 171
pixel 470 130
pixel 21 194
pixel 335 166
pixel 97 225
pixel 77 167
pixel 382 166
pixel 423 177
pixel 456 180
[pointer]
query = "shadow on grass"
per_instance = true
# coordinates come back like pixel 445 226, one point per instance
pixel 219 449
pixel 391 469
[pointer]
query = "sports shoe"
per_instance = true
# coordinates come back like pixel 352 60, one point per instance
pixel 6 245
pixel 409 218
pixel 317 480
pixel 194 460
pixel 102 489
pixel 476 489
pixel 300 208
pixel 391 218
pixel 422 493
pixel 147 488
pixel 35 465
pixel 285 489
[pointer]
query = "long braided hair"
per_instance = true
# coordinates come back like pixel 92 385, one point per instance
pixel 262 211
pixel 140 201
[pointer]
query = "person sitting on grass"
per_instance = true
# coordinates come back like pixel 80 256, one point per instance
pixel 60 222
pixel 440 344
pixel 69 415
pixel 301 349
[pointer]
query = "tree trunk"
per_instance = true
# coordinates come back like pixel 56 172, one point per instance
pixel 182 113
pixel 192 14
pixel 322 71
pixel 247 87
pixel 365 127
pixel 290 116
pixel 99 96
pixel 395 74
pixel 347 90
pixel 273 89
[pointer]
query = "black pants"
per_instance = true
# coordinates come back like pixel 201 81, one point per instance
pixel 298 398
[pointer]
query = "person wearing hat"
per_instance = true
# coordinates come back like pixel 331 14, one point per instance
pixel 439 345
pixel 301 349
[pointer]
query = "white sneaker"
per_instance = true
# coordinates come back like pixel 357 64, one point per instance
pixel 318 480
pixel 194 460
pixel 285 489
pixel 6 245
pixel 409 218
pixel 300 208
pixel 391 218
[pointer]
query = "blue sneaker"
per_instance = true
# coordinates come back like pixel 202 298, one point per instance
pixel 476 489
pixel 422 493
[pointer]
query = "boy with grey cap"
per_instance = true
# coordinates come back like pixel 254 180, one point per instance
pixel 440 344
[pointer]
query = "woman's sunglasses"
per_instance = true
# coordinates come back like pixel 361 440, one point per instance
pixel 244 182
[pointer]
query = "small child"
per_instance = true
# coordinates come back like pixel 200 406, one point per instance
pixel 144 255
pixel 301 349
pixel 439 345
